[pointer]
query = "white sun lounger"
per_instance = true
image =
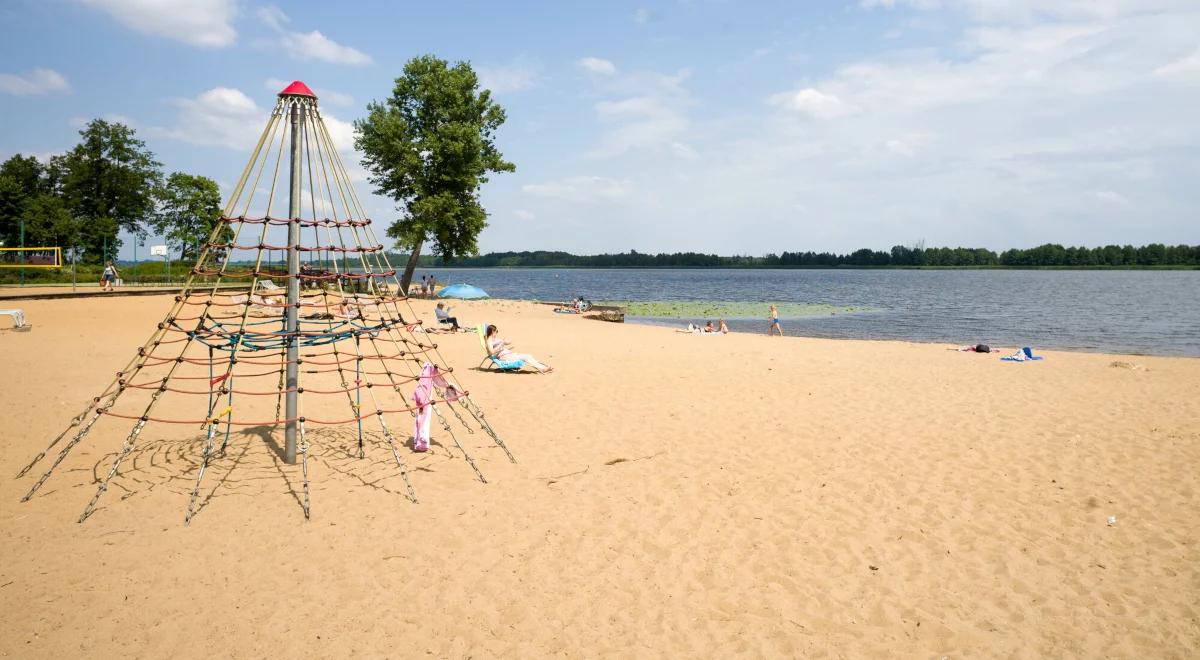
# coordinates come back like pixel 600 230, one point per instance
pixel 18 317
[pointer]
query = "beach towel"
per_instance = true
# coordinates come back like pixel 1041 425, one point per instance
pixel 1023 355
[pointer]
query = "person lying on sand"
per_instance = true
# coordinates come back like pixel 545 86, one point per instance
pixel 573 308
pixel 501 349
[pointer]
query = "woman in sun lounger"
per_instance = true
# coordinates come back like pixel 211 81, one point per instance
pixel 502 350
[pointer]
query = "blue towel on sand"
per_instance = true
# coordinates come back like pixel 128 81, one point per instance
pixel 1023 355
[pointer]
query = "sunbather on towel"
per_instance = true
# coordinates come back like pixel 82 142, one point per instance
pixel 502 350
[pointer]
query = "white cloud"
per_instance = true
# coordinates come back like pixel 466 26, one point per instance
pixel 1184 67
pixel 580 189
pixel 1111 197
pixel 645 110
pixel 220 117
pixel 641 16
pixel 1029 11
pixel 309 45
pixel 340 132
pixel 683 151
pixel 37 81
pixel 522 214
pixel 516 76
pixel 1001 128
pixel 197 22
pixel 328 96
pixel 598 66
pixel 273 17
pixel 813 103
pixel 908 145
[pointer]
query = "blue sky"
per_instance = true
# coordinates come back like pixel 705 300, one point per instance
pixel 730 127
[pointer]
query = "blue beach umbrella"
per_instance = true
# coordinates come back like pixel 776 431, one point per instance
pixel 462 292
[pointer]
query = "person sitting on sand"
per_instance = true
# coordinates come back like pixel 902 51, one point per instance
pixel 709 329
pixel 721 327
pixel 501 349
pixel 442 312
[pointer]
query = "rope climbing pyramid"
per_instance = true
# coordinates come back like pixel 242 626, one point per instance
pixel 338 339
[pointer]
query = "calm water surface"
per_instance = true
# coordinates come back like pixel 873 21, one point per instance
pixel 1141 312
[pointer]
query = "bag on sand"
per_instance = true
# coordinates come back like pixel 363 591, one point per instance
pixel 983 348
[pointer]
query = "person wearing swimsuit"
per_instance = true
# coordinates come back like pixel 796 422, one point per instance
pixel 774 327
pixel 502 350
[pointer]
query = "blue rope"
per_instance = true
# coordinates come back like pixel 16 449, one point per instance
pixel 260 341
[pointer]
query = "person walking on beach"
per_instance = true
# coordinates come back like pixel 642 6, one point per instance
pixel 774 327
pixel 109 277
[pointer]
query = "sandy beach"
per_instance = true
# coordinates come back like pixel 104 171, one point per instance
pixel 674 496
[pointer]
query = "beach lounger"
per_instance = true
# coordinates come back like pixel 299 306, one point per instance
pixel 502 365
pixel 18 317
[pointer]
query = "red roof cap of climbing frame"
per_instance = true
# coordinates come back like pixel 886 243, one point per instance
pixel 297 88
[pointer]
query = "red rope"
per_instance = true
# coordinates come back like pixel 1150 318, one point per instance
pixel 276 422
pixel 323 222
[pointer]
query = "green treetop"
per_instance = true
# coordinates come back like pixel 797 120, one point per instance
pixel 430 146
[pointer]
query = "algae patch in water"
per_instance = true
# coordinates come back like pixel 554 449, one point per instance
pixel 692 309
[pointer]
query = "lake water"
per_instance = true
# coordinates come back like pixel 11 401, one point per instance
pixel 1140 312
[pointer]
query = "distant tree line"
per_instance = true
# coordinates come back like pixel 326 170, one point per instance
pixel 81 200
pixel 1049 255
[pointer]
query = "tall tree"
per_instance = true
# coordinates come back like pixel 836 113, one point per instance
pixel 189 208
pixel 430 146
pixel 21 179
pixel 108 182
pixel 49 223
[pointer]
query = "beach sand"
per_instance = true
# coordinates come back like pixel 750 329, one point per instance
pixel 675 496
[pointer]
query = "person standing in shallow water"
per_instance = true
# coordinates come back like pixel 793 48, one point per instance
pixel 774 318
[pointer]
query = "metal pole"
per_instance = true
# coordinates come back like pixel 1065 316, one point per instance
pixel 291 323
pixel 22 251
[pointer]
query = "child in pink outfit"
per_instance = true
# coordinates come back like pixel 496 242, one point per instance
pixel 423 400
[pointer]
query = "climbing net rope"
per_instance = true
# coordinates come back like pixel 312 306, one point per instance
pixel 227 342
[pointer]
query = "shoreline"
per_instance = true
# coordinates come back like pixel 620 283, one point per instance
pixel 18 294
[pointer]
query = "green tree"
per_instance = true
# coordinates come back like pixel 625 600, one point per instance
pixel 48 222
pixel 21 178
pixel 108 182
pixel 189 207
pixel 430 146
